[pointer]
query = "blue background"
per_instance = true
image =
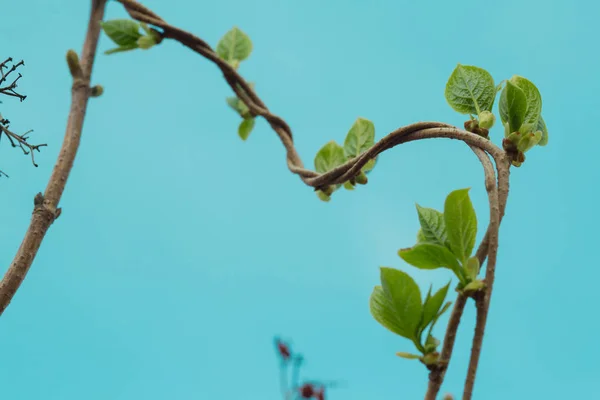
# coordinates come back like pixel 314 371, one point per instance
pixel 181 250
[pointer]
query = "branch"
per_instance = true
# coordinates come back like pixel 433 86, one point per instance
pixel 15 139
pixel 497 194
pixel 436 376
pixel 10 89
pixel 482 298
pixel 45 206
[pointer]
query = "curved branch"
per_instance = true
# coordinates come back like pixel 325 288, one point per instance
pixel 497 194
pixel 45 210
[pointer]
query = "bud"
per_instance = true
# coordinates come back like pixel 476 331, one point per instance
pixel 349 185
pixel 145 42
pixel 97 91
pixel 508 145
pixel 361 178
pixel 529 140
pixel 474 287
pixel 430 359
pixel 518 159
pixel 73 63
pixel 486 119
pixel 471 125
pixel 472 268
pixel 323 196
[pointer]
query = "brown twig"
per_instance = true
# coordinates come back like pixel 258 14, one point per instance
pixel 45 206
pixel 482 298
pixel 15 139
pixel 10 89
pixel 20 141
pixel 436 376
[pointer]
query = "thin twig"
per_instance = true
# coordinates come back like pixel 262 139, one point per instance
pixel 436 376
pixel 482 298
pixel 45 206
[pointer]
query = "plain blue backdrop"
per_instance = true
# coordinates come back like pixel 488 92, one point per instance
pixel 181 250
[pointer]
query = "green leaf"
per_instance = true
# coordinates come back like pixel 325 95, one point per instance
pixel 513 106
pixel 330 156
pixel 238 106
pixel 470 90
pixel 382 309
pixel 472 268
pixel 421 236
pixel 121 49
pixel 461 223
pixel 123 32
pixel 433 226
pixel 234 45
pixel 442 311
pixel 408 356
pixel 541 126
pixel 430 256
pixel 360 138
pixel 405 297
pixel 245 128
pixel 432 306
pixel 534 103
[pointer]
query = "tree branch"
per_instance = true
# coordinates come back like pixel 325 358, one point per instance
pixel 45 206
pixel 436 376
pixel 482 298
pixel 497 194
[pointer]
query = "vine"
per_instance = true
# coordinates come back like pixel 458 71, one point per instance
pixel 446 238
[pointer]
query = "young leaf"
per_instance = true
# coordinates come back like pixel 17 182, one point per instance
pixel 431 344
pixel 383 311
pixel 408 356
pixel 432 306
pixel 470 90
pixel 405 297
pixel 238 106
pixel 123 32
pixel 430 256
pixel 432 225
pixel 534 103
pixel 234 45
pixel 461 223
pixel 513 106
pixel 472 268
pixel 541 126
pixel 421 236
pixel 330 156
pixel 360 138
pixel 121 49
pixel 245 128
